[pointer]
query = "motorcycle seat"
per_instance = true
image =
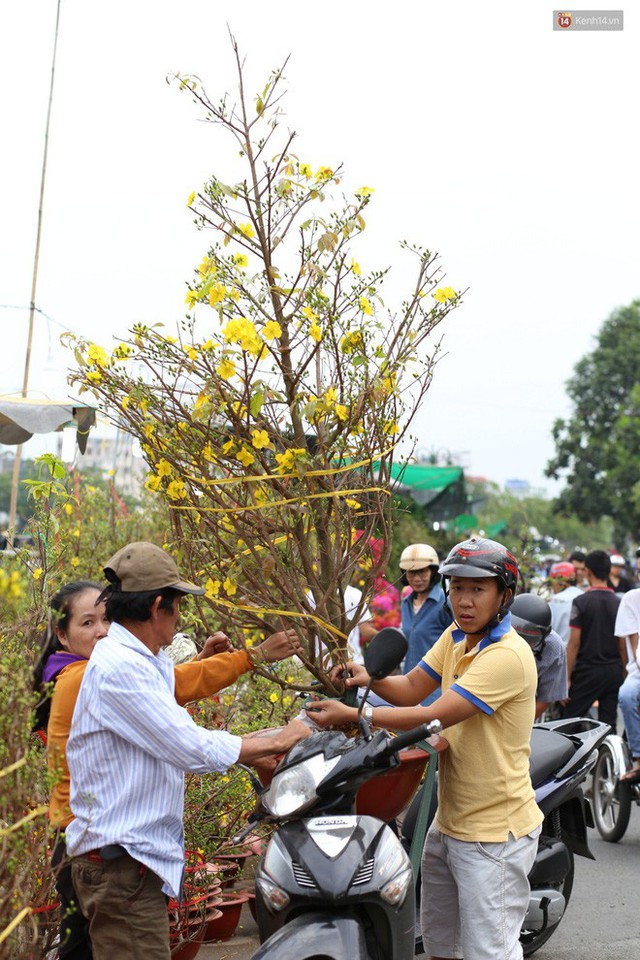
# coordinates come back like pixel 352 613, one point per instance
pixel 549 752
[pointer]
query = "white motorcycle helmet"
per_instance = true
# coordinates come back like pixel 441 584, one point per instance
pixel 417 556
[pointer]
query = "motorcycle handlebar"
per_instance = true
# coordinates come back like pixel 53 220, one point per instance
pixel 412 736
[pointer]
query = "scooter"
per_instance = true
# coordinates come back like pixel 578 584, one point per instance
pixel 333 884
pixel 563 754
pixel 612 797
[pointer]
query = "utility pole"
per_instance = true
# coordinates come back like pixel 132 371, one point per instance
pixel 13 508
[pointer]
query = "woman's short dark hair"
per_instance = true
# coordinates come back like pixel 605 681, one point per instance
pixel 137 606
pixel 60 610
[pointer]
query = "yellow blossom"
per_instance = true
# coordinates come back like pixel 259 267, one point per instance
pixel 390 428
pixel 340 411
pixel 97 356
pixel 149 430
pixel 315 332
pixel 287 459
pixel 331 395
pixel 94 376
pixel 352 503
pixel 245 457
pixel 260 439
pixel 212 588
pixel 191 352
pixel 309 313
pixel 246 230
pixel 355 266
pixel 241 260
pixel 207 267
pixel 305 171
pixel 271 330
pixel 324 173
pixel 68 509
pixel 75 562
pixel 364 191
pixel 228 446
pixel 351 342
pixel 191 298
pixel 37 573
pixel 208 453
pixel 217 293
pixel 365 306
pixel 176 490
pixel 226 368
pixel 164 468
pixel 443 294
pixel 153 482
pixel 122 352
pixel 191 198
pixel 125 402
pixel 273 697
pixel 229 587
pixel 242 330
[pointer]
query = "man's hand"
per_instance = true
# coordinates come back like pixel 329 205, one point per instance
pixel 255 746
pixel 330 713
pixel 358 675
pixel 278 646
pixel 217 643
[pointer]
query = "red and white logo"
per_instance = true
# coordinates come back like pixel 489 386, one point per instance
pixel 564 20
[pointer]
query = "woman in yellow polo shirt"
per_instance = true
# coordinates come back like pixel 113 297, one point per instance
pixel 483 841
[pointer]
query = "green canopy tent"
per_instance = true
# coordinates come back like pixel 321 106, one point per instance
pixel 440 490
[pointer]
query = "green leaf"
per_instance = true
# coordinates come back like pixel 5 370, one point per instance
pixel 255 404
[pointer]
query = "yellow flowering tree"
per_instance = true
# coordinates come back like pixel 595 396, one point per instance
pixel 270 416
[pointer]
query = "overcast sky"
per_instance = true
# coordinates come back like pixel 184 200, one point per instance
pixel 507 147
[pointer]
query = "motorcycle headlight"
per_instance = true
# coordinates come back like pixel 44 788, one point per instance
pixel 393 869
pixel 274 896
pixel 395 891
pixel 294 789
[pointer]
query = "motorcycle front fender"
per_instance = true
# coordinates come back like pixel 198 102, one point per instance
pixel 334 936
pixel 575 816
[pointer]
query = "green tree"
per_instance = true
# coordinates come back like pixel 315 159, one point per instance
pixel 28 471
pixel 598 447
pixel 269 422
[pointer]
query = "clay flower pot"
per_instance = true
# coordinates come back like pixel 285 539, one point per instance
pixel 186 925
pixel 186 950
pixel 224 871
pixel 387 795
pixel 230 908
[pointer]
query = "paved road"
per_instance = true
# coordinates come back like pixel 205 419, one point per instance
pixel 603 918
pixel 602 921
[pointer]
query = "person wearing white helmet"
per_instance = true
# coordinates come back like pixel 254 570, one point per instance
pixel 618 580
pixel 424 614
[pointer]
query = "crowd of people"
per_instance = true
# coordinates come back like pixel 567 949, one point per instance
pixel 482 658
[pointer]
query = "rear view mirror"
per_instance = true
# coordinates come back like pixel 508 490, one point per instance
pixel 385 652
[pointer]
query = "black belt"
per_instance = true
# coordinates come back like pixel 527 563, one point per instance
pixel 111 851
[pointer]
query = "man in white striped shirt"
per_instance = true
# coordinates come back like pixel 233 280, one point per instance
pixel 129 746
